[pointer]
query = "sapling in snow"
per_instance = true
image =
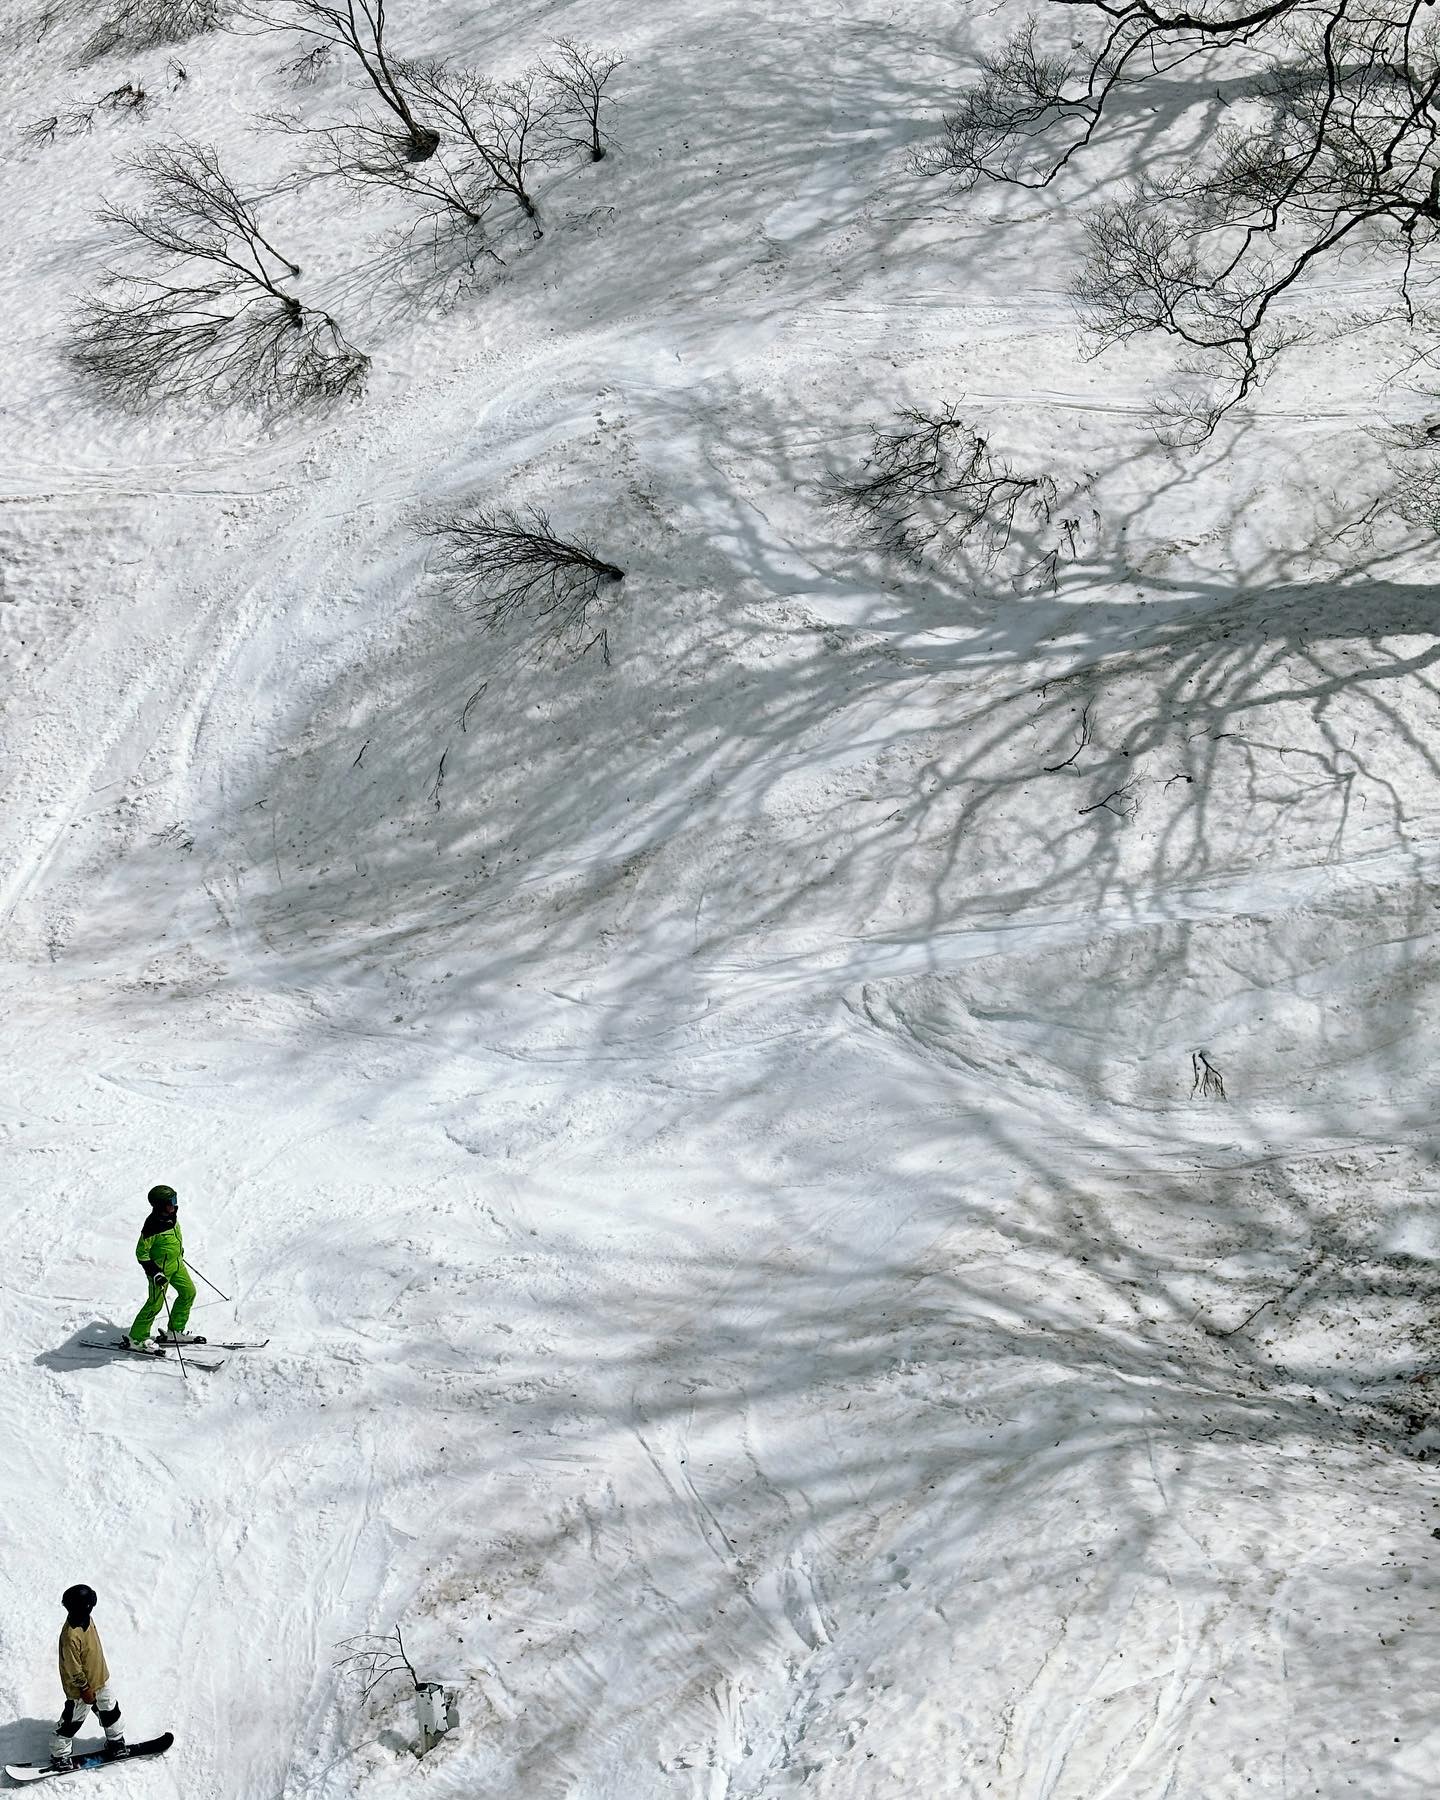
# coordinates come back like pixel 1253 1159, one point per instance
pixel 577 76
pixel 503 128
pixel 373 1657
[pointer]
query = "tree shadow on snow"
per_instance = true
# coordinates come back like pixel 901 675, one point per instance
pixel 904 1436
pixel 902 896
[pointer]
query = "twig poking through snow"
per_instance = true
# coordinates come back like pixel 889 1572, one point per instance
pixel 1273 1299
pixel 1121 801
pixel 1055 768
pixel 437 786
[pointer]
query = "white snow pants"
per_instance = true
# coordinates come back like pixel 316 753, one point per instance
pixel 107 1710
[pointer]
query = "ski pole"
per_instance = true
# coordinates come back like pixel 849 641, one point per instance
pixel 205 1278
pixel 178 1351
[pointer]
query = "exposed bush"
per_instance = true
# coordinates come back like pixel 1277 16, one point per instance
pixel 127 100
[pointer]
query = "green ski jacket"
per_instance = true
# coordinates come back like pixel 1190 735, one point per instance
pixel 162 1254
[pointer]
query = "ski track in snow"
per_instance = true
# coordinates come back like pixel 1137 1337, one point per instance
pixel 750 1289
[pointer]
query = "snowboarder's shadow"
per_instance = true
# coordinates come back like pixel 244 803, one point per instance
pixel 74 1354
pixel 26 1740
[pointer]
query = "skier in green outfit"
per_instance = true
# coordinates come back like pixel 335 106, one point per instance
pixel 161 1253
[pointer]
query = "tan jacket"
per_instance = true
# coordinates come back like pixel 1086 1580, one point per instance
pixel 82 1661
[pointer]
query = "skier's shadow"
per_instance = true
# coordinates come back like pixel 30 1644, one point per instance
pixel 26 1741
pixel 73 1353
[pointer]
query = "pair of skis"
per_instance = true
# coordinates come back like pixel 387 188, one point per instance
pixel 90 1759
pixel 205 1360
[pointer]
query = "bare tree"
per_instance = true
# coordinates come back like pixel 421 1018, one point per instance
pixel 494 135
pixel 931 477
pixel 504 126
pixel 1208 1082
pixel 358 28
pixel 213 317
pixel 1329 146
pixel 578 75
pixel 373 1658
pixel 142 24
pixel 512 566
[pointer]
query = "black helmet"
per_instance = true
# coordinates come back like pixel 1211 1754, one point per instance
pixel 79 1601
pixel 163 1196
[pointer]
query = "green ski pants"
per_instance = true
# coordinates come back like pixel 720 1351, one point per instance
pixel 179 1312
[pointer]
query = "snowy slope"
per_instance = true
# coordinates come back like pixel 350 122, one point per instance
pixel 751 1290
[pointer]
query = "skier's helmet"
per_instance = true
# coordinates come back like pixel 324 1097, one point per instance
pixel 163 1196
pixel 79 1601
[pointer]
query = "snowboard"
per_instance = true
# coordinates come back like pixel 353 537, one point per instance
pixel 122 1348
pixel 90 1759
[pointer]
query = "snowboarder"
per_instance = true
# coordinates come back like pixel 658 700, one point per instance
pixel 161 1253
pixel 85 1677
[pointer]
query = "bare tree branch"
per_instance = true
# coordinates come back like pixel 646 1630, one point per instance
pixel 1082 740
pixel 1123 801
pixel 373 1658
pixel 1330 147
pixel 1208 1083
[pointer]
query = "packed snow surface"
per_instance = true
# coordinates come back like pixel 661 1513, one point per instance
pixel 710 1135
